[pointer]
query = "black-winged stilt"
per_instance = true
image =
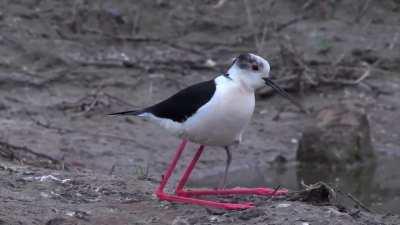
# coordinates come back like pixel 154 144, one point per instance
pixel 213 113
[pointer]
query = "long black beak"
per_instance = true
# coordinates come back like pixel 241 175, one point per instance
pixel 283 93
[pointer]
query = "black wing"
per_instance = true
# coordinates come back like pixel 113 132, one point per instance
pixel 185 103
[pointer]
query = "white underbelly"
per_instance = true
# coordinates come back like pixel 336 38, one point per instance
pixel 222 121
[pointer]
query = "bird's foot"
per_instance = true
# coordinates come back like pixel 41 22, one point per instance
pixel 206 203
pixel 232 191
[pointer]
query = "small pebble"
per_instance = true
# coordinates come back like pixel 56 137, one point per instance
pixel 283 205
pixel 210 63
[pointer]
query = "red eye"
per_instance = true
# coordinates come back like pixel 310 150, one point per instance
pixel 254 67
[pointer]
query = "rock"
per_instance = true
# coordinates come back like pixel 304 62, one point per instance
pixel 367 55
pixel 339 135
pixel 318 193
pixel 2 106
pixel 57 221
pixel 251 213
pixel 180 220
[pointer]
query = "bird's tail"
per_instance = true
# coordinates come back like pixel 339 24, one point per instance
pixel 128 113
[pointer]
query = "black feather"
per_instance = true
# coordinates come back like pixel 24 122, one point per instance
pixel 131 113
pixel 185 103
pixel 180 106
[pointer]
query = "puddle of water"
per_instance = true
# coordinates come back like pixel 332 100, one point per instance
pixel 375 185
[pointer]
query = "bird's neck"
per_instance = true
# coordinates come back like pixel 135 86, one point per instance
pixel 245 87
pixel 236 75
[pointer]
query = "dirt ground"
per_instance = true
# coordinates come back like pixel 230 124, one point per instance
pixel 65 64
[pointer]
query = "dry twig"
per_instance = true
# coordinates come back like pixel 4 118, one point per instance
pixel 27 155
pixel 295 20
pixel 259 41
pixel 362 10
pixel 394 41
pixel 321 187
pixel 355 200
pixel 219 4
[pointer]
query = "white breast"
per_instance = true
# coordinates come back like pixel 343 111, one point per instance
pixel 221 121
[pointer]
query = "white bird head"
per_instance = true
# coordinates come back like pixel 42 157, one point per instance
pixel 252 71
pixel 249 69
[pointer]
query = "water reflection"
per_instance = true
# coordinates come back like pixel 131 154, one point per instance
pixel 377 184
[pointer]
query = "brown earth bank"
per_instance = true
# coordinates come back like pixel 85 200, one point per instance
pixel 65 64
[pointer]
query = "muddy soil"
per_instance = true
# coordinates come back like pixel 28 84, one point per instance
pixel 65 64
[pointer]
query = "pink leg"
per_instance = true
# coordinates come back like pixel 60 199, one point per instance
pixel 205 203
pixel 238 190
pixel 171 167
pixel 188 171
pixel 181 199
pixel 233 191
